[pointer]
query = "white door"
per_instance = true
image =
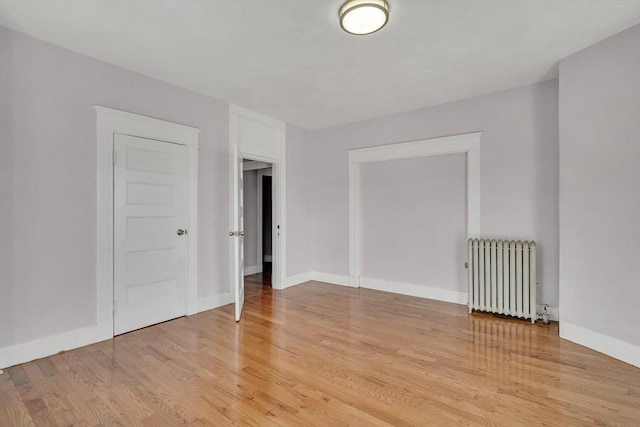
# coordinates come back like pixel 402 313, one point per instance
pixel 237 232
pixel 150 240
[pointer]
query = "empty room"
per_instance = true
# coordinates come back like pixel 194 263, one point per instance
pixel 319 213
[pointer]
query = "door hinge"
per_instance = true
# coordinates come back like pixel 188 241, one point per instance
pixel 113 157
pixel 115 306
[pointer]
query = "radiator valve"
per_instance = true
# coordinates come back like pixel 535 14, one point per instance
pixel 545 314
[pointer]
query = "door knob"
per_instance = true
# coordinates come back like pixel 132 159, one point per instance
pixel 181 232
pixel 241 233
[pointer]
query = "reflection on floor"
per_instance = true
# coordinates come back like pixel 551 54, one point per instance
pixel 258 284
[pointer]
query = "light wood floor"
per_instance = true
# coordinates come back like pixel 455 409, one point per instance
pixel 319 354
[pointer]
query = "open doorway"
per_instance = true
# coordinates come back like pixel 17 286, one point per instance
pixel 258 226
pixel 265 218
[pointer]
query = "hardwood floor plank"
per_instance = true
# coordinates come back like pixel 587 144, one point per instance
pixel 18 376
pixel 129 404
pixel 61 411
pixel 47 367
pixel 103 413
pixel 13 411
pixel 40 412
pixel 78 405
pixel 318 354
pixel 34 373
pixel 4 415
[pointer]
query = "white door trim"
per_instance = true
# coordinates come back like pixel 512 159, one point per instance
pixel 110 122
pixel 465 143
pixel 252 148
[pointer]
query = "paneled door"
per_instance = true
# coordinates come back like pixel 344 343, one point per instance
pixel 150 239
pixel 237 232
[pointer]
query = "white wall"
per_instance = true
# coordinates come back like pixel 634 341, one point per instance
pixel 414 227
pixel 519 173
pixel 48 181
pixel 600 196
pixel 250 194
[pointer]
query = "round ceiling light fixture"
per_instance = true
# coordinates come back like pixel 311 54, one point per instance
pixel 364 16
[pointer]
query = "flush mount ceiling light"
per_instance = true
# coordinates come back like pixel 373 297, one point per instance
pixel 364 16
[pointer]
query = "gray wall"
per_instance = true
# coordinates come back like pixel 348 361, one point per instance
pixel 519 174
pixel 250 182
pixel 600 188
pixel 414 227
pixel 300 201
pixel 48 180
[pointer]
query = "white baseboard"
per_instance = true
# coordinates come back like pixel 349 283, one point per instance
pixel 43 347
pixel 254 269
pixel 334 279
pixel 214 301
pixel 46 346
pixel 381 285
pixel 297 279
pixel 610 346
pixel 414 290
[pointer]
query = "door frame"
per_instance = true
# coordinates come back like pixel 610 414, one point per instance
pixel 262 138
pixel 110 122
pixel 468 144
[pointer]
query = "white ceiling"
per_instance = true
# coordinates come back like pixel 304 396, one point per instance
pixel 289 58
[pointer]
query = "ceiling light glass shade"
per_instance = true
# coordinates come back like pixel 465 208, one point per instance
pixel 364 16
